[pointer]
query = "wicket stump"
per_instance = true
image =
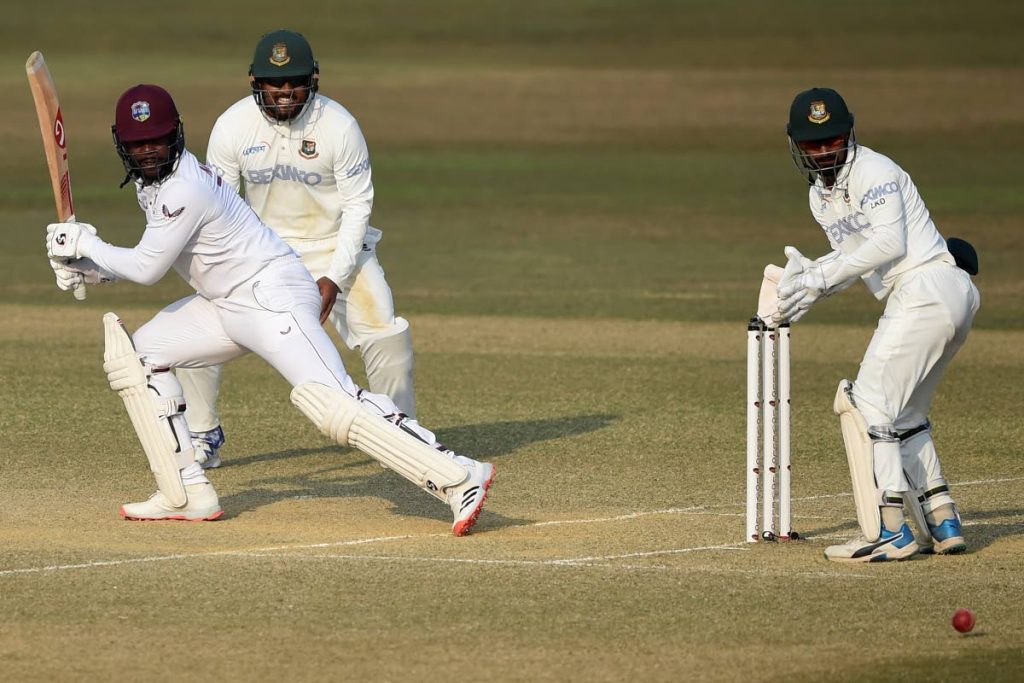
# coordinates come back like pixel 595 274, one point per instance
pixel 768 431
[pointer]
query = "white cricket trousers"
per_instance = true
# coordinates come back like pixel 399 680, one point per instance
pixel 926 320
pixel 275 315
pixel 363 315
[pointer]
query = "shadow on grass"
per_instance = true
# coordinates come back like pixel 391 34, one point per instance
pixel 978 531
pixel 984 533
pixel 488 442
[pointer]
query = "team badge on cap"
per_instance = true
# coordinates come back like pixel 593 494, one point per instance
pixel 140 111
pixel 279 54
pixel 818 113
pixel 308 149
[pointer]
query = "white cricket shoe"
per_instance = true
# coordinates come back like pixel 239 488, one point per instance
pixel 467 499
pixel 891 545
pixel 202 505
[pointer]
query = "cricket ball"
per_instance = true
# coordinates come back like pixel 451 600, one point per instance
pixel 963 620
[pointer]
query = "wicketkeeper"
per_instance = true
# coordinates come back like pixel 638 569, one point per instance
pixel 252 294
pixel 882 234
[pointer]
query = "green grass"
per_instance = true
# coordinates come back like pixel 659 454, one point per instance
pixel 578 199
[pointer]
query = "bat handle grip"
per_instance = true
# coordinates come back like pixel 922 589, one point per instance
pixel 78 291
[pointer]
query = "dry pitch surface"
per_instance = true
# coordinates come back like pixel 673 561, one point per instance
pixel 610 549
pixel 576 197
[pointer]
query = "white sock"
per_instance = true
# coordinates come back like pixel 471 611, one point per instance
pixel 193 474
pixel 892 517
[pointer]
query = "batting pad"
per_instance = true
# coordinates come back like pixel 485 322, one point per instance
pixel 912 505
pixel 128 378
pixel 859 456
pixel 344 419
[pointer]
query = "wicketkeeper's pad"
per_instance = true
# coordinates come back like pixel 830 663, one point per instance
pixel 859 456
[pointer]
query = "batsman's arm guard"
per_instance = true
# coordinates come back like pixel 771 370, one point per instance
pixel 344 419
pixel 859 456
pixel 149 413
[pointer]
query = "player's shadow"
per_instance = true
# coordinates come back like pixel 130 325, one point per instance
pixel 490 442
pixel 978 532
pixel 984 533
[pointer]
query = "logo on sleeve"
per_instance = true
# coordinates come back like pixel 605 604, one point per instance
pixel 172 214
pixel 308 149
pixel 876 195
pixel 363 165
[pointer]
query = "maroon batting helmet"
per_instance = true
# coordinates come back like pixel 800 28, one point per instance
pixel 147 112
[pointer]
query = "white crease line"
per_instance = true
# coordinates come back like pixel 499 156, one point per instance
pixel 587 562
pixel 700 509
pixel 619 518
pixel 652 553
pixel 987 481
pixel 184 556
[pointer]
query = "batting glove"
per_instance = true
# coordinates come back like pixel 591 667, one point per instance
pixel 68 241
pixel 66 279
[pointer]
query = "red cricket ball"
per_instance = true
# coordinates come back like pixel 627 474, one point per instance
pixel 963 620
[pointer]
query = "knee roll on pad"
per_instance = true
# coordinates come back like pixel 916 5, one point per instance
pixel 150 413
pixel 859 457
pixel 344 419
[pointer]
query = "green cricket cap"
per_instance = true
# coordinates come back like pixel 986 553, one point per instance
pixel 282 53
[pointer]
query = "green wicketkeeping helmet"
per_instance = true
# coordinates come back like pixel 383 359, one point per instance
pixel 820 114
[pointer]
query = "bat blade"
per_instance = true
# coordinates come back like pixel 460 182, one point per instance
pixel 51 127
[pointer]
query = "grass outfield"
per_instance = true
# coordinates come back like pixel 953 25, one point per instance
pixel 577 201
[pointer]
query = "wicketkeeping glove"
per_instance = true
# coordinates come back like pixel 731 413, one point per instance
pixel 802 284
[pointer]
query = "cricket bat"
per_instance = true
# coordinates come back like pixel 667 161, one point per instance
pixel 51 126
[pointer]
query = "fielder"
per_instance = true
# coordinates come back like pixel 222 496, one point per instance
pixel 881 233
pixel 305 170
pixel 252 294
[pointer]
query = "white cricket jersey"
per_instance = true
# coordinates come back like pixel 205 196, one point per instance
pixel 877 222
pixel 308 178
pixel 197 224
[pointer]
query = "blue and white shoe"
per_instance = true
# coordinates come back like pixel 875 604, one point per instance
pixel 949 539
pixel 891 545
pixel 206 446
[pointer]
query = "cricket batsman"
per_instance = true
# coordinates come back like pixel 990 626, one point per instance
pixel 252 294
pixel 881 233
pixel 303 164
